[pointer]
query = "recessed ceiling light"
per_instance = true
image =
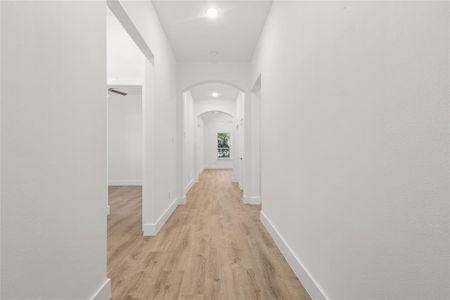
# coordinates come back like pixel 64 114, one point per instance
pixel 215 94
pixel 212 12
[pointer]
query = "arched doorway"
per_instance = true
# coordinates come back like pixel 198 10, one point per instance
pixel 207 101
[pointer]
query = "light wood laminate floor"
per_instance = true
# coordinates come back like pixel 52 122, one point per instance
pixel 214 247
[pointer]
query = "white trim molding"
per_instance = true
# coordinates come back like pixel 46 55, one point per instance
pixel 125 182
pixel 153 229
pixel 305 277
pixel 182 200
pixel 189 186
pixel 216 167
pixel 103 292
pixel 108 209
pixel 255 200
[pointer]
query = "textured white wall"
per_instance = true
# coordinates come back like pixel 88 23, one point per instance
pixel 125 138
pixel 355 143
pixel 53 132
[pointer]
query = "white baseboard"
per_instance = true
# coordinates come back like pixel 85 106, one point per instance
pixel 189 186
pixel 305 277
pixel 124 182
pixel 218 167
pixel 103 292
pixel 251 200
pixel 197 177
pixel 153 229
pixel 182 200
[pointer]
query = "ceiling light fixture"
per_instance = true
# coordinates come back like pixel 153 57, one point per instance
pixel 212 12
pixel 215 94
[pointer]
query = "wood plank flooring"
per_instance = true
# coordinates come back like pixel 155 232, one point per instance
pixel 214 247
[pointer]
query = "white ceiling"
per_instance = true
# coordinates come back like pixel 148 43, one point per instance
pixel 204 91
pixel 232 36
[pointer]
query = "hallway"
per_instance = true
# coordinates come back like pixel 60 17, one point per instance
pixel 214 247
pixel 233 150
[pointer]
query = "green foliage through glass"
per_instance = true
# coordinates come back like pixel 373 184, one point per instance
pixel 223 144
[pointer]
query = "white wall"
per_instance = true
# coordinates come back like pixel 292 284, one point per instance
pixel 125 61
pixel 252 148
pixel 160 198
pixel 204 106
pixel 355 147
pixel 199 147
pixel 189 142
pixel 239 136
pixel 125 137
pixel 213 124
pixel 192 73
pixel 53 165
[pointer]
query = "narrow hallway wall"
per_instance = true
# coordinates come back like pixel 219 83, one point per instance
pixel 355 127
pixel 53 132
pixel 188 142
pixel 199 147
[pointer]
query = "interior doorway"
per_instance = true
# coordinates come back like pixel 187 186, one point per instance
pixel 125 135
pixel 130 65
pixel 213 131
pixel 125 78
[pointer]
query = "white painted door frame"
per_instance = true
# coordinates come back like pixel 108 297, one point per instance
pixel 148 112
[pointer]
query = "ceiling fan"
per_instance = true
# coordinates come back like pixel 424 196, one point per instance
pixel 113 90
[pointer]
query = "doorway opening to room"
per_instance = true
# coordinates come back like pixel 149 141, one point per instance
pixel 124 147
pixel 130 85
pixel 125 77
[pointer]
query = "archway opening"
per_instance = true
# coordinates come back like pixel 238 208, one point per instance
pixel 213 114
